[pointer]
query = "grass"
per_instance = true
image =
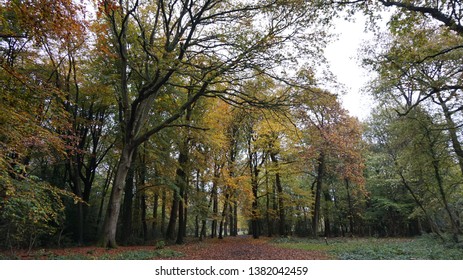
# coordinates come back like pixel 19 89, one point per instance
pixel 421 248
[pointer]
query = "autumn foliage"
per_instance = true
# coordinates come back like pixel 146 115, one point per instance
pixel 133 122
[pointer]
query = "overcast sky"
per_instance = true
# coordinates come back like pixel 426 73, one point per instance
pixel 343 58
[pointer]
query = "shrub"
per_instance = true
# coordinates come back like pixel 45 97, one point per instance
pixel 30 211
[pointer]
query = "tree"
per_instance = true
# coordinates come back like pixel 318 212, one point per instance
pixel 447 13
pixel 419 78
pixel 421 165
pixel 155 56
pixel 332 141
pixel 34 118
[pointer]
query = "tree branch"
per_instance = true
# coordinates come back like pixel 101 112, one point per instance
pixel 433 12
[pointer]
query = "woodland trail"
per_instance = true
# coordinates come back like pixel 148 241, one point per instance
pixel 229 248
pixel 243 248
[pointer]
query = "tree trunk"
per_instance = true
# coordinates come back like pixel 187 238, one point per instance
pixel 141 192
pixel 281 201
pixel 267 206
pixel 74 173
pixel 231 219
pixel 318 190
pixel 127 211
pixel 154 224
pixel 215 201
pixel 108 237
pixel 197 226
pixel 255 205
pixel 452 129
pixel 327 213
pixel 143 217
pixel 103 196
pixel 432 224
pixel 215 210
pixel 163 212
pixel 235 220
pixel 202 233
pixel 351 208
pixel 224 215
pixel 170 233
pixel 182 182
pixel 197 218
pixel 341 225
pixel 185 211
pixel 181 219
pixel 440 184
pixel 455 229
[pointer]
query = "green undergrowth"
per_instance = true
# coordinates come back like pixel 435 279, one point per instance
pixel 420 248
pixel 125 255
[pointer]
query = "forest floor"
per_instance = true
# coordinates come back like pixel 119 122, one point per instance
pixel 229 248
pixel 247 248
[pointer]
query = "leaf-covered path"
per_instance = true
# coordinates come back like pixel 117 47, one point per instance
pixel 243 248
pixel 230 248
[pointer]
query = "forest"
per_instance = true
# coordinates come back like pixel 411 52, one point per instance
pixel 131 122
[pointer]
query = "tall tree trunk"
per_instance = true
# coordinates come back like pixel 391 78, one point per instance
pixel 232 192
pixel 77 189
pixel 267 206
pixel 127 211
pixel 351 208
pixel 170 233
pixel 235 219
pixel 181 219
pixel 231 218
pixel 452 129
pixel 182 177
pixel 197 229
pixel 224 215
pixel 281 201
pixel 434 228
pixel 103 196
pixel 154 225
pixel 215 210
pixel 340 215
pixel 163 212
pixel 108 238
pixel 455 229
pixel 318 190
pixel 141 193
pixel 440 184
pixel 182 181
pixel 255 204
pixel 215 201
pixel 275 208
pixel 137 228
pixel 202 233
pixel 197 218
pixel 327 213
pixel 143 216
pixel 185 211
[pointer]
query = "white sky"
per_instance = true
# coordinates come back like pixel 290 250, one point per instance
pixel 342 56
